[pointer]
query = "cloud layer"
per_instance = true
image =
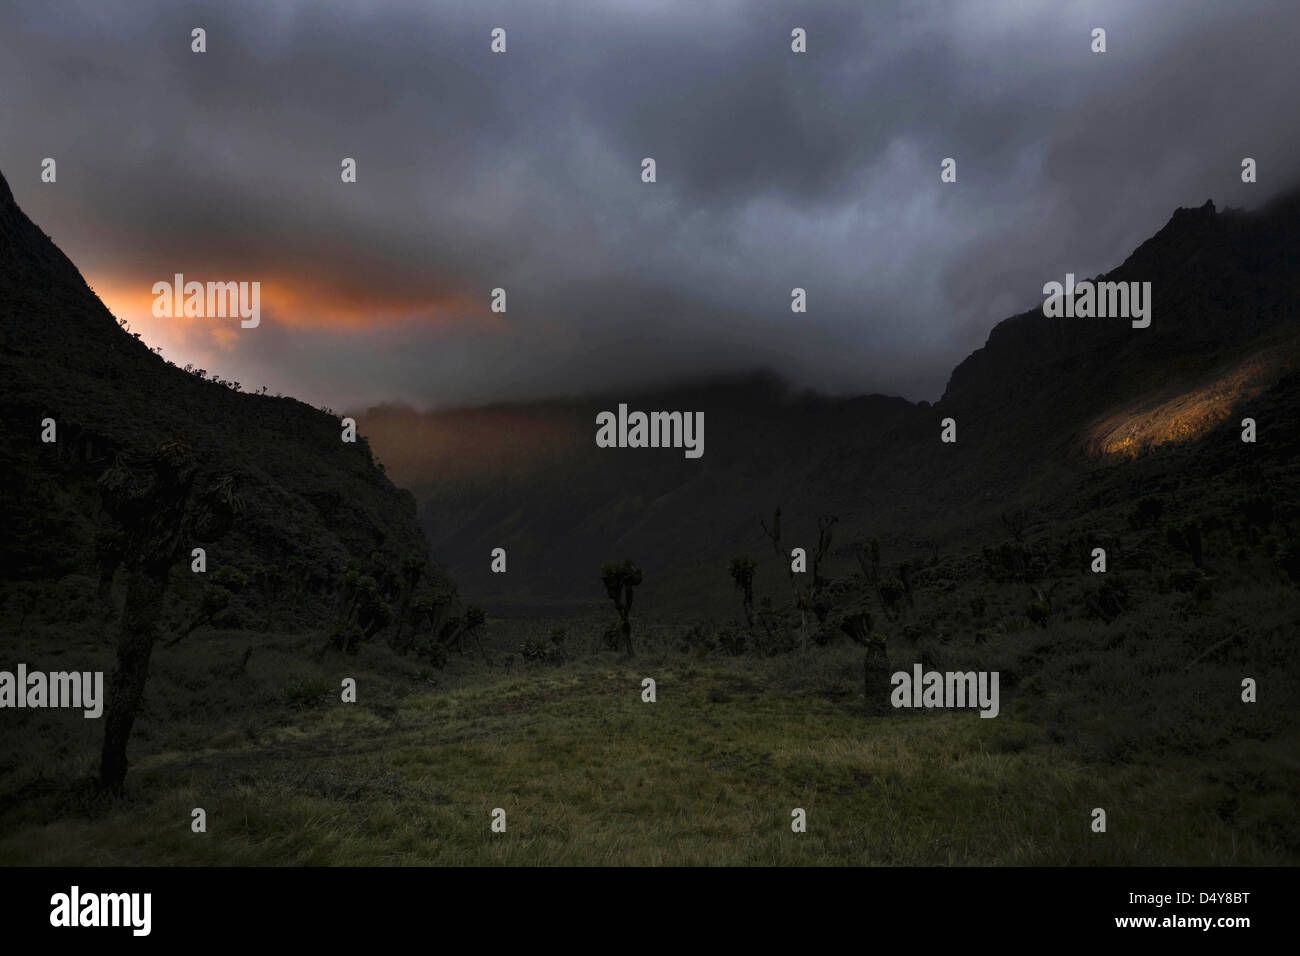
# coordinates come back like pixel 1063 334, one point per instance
pixel 522 171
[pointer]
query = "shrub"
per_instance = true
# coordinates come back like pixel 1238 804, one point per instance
pixel 432 651
pixel 346 637
pixel 731 638
pixel 1109 601
pixel 1187 581
pixel 534 651
pixel 696 639
pixel 915 632
pixel 230 578
pixel 891 593
pixel 1009 561
pixel 215 599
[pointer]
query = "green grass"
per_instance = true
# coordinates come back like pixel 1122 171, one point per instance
pixel 589 774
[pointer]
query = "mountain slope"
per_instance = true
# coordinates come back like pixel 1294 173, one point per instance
pixel 312 503
pixel 1223 289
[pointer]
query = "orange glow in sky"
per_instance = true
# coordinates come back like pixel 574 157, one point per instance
pixel 293 302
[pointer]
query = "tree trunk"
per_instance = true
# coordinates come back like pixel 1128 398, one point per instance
pixel 412 581
pixel 135 642
pixel 106 571
pixel 875 676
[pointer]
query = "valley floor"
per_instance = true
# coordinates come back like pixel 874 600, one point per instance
pixel 588 773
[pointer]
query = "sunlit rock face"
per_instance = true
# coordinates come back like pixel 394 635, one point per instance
pixel 1186 411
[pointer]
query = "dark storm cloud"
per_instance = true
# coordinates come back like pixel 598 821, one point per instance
pixel 522 171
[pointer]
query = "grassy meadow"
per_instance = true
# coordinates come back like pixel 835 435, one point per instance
pixel 1093 714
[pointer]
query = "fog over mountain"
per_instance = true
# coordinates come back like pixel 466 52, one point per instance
pixel 1046 408
pixel 522 171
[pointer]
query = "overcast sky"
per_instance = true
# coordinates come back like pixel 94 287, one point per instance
pixel 523 170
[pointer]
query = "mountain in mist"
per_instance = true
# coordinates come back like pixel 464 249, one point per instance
pixel 1043 408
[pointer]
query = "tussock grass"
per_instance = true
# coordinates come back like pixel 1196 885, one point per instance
pixel 589 774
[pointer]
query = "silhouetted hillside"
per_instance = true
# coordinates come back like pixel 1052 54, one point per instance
pixel 310 502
